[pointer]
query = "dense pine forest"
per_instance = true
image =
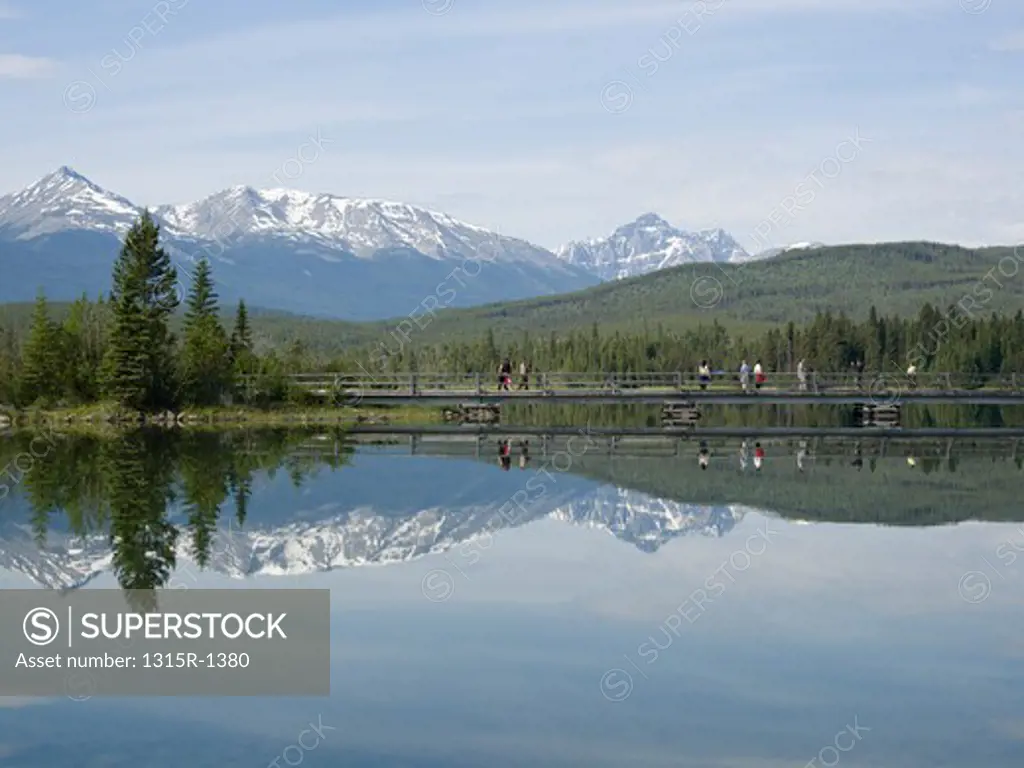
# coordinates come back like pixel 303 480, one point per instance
pixel 145 348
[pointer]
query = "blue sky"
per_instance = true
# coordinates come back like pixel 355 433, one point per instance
pixel 547 120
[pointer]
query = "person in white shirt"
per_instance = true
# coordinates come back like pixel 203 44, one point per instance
pixel 801 376
pixel 524 375
pixel 704 374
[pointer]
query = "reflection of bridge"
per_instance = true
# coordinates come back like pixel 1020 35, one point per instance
pixel 658 388
pixel 548 441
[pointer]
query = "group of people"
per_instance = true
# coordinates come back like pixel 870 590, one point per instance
pixel 759 377
pixel 704 456
pixel 505 454
pixel 505 374
pixel 747 375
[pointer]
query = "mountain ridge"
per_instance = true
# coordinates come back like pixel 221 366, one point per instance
pixel 315 254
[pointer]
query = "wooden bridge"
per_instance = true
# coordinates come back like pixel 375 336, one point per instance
pixel 661 388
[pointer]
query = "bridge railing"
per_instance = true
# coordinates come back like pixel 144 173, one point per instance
pixel 425 383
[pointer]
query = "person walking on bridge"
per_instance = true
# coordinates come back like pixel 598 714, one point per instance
pixel 759 377
pixel 801 375
pixel 704 374
pixel 912 375
pixel 504 374
pixel 745 377
pixel 524 375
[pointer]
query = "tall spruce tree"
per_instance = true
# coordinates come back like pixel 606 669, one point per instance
pixel 42 374
pixel 205 357
pixel 139 365
pixel 241 341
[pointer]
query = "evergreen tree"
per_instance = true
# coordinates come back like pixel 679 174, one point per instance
pixel 205 357
pixel 243 358
pixel 84 332
pixel 241 336
pixel 139 363
pixel 42 367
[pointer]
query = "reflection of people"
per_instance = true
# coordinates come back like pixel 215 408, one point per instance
pixel 744 456
pixel 704 456
pixel 758 456
pixel 524 454
pixel 858 460
pixel 801 454
pixel 504 455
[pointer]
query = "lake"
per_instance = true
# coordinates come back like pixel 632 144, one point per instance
pixel 800 601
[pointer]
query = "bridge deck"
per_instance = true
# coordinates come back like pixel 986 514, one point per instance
pixel 658 388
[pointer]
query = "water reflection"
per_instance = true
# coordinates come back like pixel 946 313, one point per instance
pixel 137 503
pixel 748 639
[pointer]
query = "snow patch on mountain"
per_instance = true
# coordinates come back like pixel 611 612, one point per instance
pixel 772 252
pixel 648 244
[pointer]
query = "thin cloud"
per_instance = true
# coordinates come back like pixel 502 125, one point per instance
pixel 14 66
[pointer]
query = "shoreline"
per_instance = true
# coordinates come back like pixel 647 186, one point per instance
pixel 112 417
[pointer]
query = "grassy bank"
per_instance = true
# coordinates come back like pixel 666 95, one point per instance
pixel 110 416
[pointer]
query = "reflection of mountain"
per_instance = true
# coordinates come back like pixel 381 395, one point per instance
pixel 334 535
pixel 647 522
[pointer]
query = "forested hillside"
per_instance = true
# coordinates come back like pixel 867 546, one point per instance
pixel 938 307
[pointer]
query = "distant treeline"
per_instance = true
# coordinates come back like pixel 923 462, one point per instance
pixel 122 348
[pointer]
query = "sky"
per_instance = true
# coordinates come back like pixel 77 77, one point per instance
pixel 780 121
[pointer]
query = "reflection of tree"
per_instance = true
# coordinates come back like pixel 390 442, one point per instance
pixel 125 484
pixel 139 470
pixel 205 467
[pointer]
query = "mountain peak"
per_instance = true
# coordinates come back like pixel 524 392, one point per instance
pixel 647 244
pixel 66 171
pixel 65 199
pixel 651 220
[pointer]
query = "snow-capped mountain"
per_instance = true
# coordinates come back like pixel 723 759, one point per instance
pixel 282 249
pixel 650 243
pixel 360 227
pixel 61 201
pixel 330 537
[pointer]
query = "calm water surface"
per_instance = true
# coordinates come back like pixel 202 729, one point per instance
pixel 635 611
